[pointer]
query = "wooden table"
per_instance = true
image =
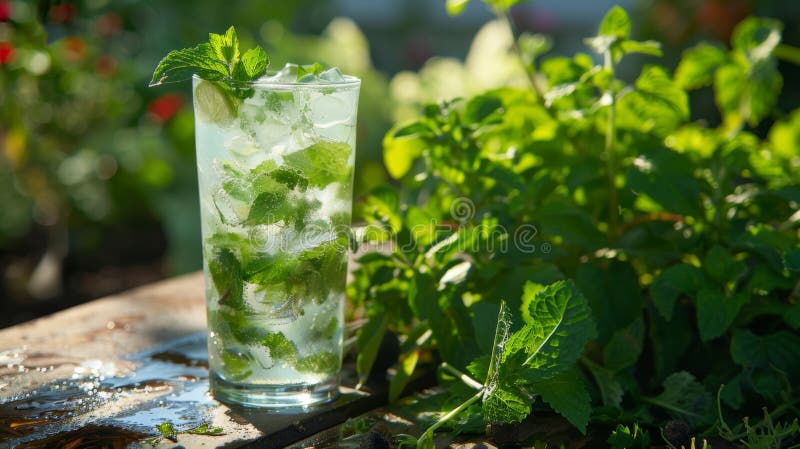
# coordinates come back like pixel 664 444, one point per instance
pixel 110 370
pixel 105 373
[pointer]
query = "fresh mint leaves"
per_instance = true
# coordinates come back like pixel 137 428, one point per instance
pixel 535 360
pixel 682 237
pixel 219 59
pixel 322 163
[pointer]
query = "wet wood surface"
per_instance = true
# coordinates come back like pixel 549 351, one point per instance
pixel 107 372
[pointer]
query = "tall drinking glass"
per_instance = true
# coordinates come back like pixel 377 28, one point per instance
pixel 275 167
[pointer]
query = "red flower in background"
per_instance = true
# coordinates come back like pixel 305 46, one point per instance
pixel 5 10
pixel 164 107
pixel 720 17
pixel 74 48
pixel 7 52
pixel 108 24
pixel 63 13
pixel 105 66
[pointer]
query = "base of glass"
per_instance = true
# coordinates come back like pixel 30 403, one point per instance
pixel 281 398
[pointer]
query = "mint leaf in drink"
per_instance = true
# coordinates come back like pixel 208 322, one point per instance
pixel 281 349
pixel 237 366
pixel 309 72
pixel 268 208
pixel 290 178
pixel 216 60
pixel 320 363
pixel 322 163
pixel 226 274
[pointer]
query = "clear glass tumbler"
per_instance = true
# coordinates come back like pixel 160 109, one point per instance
pixel 275 167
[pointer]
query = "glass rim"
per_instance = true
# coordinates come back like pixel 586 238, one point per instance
pixel 349 81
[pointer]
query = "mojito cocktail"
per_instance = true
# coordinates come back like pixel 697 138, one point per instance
pixel 276 172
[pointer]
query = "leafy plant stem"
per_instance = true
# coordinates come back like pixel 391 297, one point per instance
pixel 668 406
pixel 462 376
pixel 787 53
pixel 611 160
pixel 451 414
pixel 504 15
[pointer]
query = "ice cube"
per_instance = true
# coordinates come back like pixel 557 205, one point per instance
pixel 327 111
pixel 332 75
pixel 288 74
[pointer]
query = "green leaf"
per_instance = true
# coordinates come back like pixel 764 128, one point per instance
pixel 611 391
pixel 501 336
pixel 506 403
pixel 205 429
pixel 322 163
pixel 722 267
pixel 791 259
pixel 747 93
pixel 403 370
pixel 686 398
pixel 555 339
pixel 166 429
pixel 309 69
pixel 681 195
pixel 281 349
pixel 254 62
pixel 574 225
pixel 658 103
pixel 456 7
pixel 290 178
pixel 324 362
pixel 625 346
pixel 402 146
pixel 268 208
pixel 226 275
pixel 616 23
pixel 716 312
pixel 218 59
pixel 482 107
pixel 673 282
pixel 613 293
pixel 652 48
pixel 779 350
pixel 235 365
pixel 566 393
pixel 226 47
pixel 368 342
pixel 757 37
pixel 180 65
pixel 624 438
pixel 698 65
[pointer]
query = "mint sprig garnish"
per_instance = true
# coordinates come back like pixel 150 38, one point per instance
pixel 219 59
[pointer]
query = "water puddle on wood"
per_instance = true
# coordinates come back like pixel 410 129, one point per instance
pixel 96 408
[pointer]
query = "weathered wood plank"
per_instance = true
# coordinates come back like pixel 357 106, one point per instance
pixel 111 369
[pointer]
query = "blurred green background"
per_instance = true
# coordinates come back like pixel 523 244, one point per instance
pixel 97 174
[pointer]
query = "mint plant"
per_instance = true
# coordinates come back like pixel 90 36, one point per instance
pixel 679 240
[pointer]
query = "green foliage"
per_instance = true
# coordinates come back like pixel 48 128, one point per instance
pixel 217 59
pixel 592 193
pixel 281 349
pixel 625 437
